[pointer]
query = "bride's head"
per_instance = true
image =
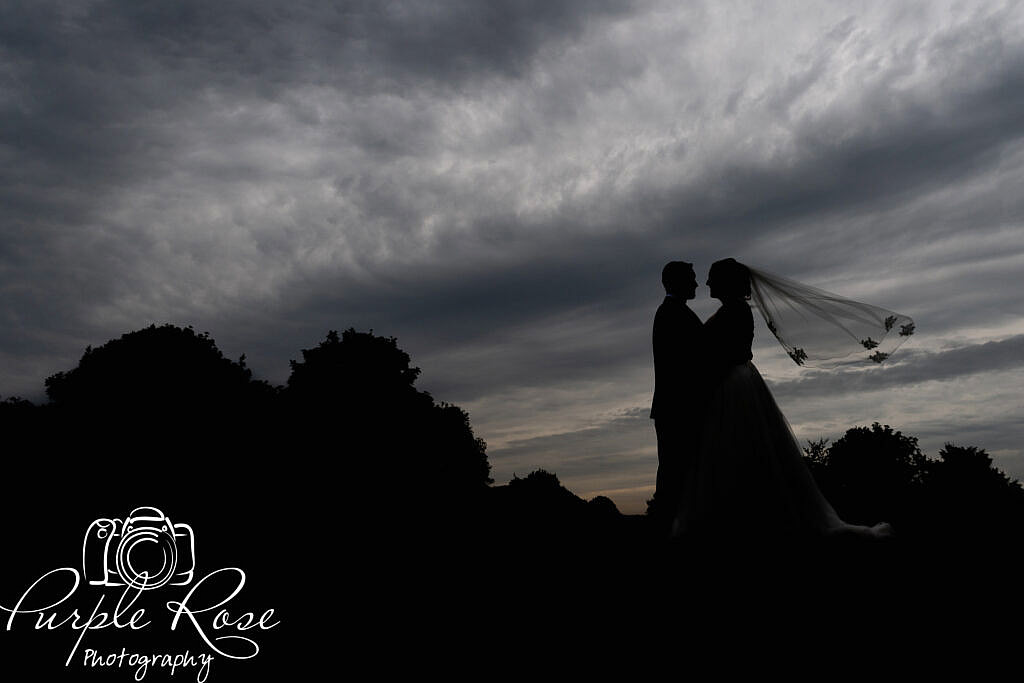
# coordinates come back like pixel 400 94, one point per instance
pixel 729 280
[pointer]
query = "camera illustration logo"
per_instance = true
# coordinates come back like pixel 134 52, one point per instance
pixel 144 551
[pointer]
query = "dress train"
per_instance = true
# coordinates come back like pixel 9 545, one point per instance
pixel 750 478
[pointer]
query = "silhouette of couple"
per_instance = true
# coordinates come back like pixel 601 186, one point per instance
pixel 729 465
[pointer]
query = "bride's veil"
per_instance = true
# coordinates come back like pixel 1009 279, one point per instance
pixel 821 329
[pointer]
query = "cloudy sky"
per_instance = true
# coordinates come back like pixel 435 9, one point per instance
pixel 497 184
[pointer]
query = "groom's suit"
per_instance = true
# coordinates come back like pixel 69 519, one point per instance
pixel 679 399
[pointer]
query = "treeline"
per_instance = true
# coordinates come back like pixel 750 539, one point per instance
pixel 162 409
pixel 164 403
pixel 875 473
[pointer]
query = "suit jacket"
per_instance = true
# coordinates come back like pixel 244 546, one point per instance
pixel 679 361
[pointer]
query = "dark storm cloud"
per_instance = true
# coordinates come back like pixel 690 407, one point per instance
pixel 373 44
pixel 497 184
pixel 101 98
pixel 895 150
pixel 96 92
pixel 446 43
pixel 871 169
pixel 891 150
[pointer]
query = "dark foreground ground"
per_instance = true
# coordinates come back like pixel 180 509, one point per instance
pixel 823 609
pixel 529 586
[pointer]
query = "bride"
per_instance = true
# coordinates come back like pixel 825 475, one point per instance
pixel 750 479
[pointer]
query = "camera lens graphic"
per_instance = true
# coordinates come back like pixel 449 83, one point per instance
pixel 146 558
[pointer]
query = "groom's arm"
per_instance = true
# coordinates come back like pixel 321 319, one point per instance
pixel 668 342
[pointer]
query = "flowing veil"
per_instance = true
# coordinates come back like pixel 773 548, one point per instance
pixel 825 330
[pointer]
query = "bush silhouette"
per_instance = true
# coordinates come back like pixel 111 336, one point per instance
pixel 544 491
pixel 537 511
pixel 603 506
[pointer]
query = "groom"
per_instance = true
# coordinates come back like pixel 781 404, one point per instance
pixel 677 410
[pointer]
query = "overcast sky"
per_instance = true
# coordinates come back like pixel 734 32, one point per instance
pixel 498 184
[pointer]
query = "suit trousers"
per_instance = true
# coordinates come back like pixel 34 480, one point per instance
pixel 677 453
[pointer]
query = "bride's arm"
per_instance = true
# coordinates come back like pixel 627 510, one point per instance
pixel 728 336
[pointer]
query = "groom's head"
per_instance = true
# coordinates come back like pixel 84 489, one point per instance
pixel 679 279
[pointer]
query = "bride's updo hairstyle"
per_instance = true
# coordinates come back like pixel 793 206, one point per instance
pixel 731 278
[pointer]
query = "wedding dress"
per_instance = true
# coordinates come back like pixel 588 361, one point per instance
pixel 750 478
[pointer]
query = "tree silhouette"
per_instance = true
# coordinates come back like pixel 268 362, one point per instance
pixel 969 496
pixel 355 391
pixel 156 369
pixel 160 408
pixel 351 370
pixel 870 474
pixel 874 474
pixel 816 457
pixel 972 467
pixel 21 424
